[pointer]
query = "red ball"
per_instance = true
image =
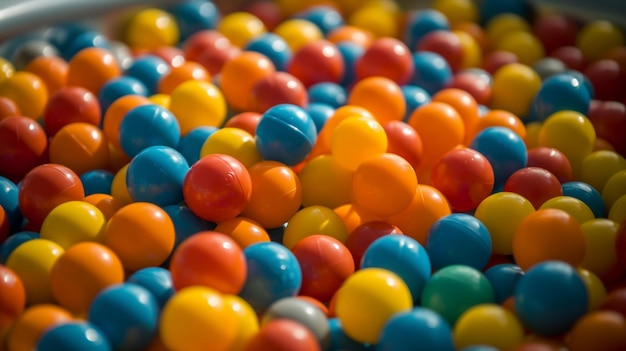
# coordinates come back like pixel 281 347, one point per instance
pixel 269 12
pixel 496 59
pixel 445 43
pixel 12 297
pixel 217 187
pixel 536 184
pixel 555 31
pixel 244 120
pixel 283 335
pixel 277 88
pixel 553 160
pixel 465 177
pixel 571 56
pixel 476 85
pixel 209 48
pixel 608 79
pixel 404 141
pixel 46 187
pixel 209 259
pixel 71 104
pixel 386 57
pixel 316 62
pixel 325 263
pixel 23 146
pixel 615 301
pixel 364 235
pixel 170 54
pixel 609 121
pixel 8 108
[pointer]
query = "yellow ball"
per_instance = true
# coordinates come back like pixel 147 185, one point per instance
pixel 490 325
pixel 298 32
pixel 6 69
pixel 119 190
pixel 501 25
pixel 241 27
pixel 325 182
pixel 314 220
pixel 151 29
pixel 532 134
pixel 247 321
pixel 457 11
pixel 197 103
pixel 596 38
pixel 614 188
pixel 234 142
pixel 72 222
pixel 366 301
pixel 599 166
pixel 501 213
pixel 575 207
pixel 27 91
pixel 571 133
pixel 526 46
pixel 472 53
pixel 356 139
pixel 514 88
pixel 617 212
pixel 378 21
pixel 600 255
pixel 32 261
pixel 198 318
pixel 161 100
pixel 595 289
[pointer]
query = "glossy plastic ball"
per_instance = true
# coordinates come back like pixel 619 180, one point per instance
pixel 81 147
pixel 72 222
pixel 151 28
pixel 157 280
pixel 193 16
pixel 244 231
pixel 536 184
pixel 23 146
pixel 97 181
pixel 277 88
pixel 91 68
pixel 283 335
pixel 239 75
pixel 196 104
pixel 148 69
pixel 69 105
pixel 113 116
pixel 51 69
pixel 298 32
pixel 561 92
pixel 587 194
pixel 420 23
pixel 13 241
pixel 241 27
pixel 505 151
pixel 135 136
pixel 325 182
pixel 32 323
pixel 488 324
pixel 13 297
pixel 191 144
pixel 301 311
pixel 28 92
pixel 553 160
pixel 313 220
pixel 575 207
pixel 356 139
pixel 247 324
pixel 602 329
pixel 179 74
pixel 514 88
pixel 403 140
pixel 431 71
pixel 386 57
pixel 380 96
pixel 272 46
pixel 418 325
pixel 73 336
pixel 316 62
pixel 503 278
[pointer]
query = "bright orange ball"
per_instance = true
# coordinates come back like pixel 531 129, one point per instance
pixel 81 147
pixel 91 68
pixel 382 97
pixel 244 231
pixel 28 328
pixel 600 330
pixel 465 104
pixel 239 76
pixel 52 70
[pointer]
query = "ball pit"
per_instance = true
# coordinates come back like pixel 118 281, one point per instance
pixel 199 174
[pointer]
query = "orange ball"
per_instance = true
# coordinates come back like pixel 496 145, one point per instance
pixel 239 76
pixel 380 96
pixel 244 231
pixel 351 34
pixel 177 75
pixel 81 147
pixel 105 203
pixel 28 328
pixel 8 108
pixel 465 104
pixel 353 216
pixel 500 118
pixel 51 69
pixel 27 91
pixel 12 297
pixel 81 273
pixel 548 234
pixel 114 115
pixel 322 145
pixel 276 194
pixel 141 234
pixel 601 330
pixel 91 68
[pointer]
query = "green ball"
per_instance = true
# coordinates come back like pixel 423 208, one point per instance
pixel 454 289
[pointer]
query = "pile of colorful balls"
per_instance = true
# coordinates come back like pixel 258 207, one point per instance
pixel 315 175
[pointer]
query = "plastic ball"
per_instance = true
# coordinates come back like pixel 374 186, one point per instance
pixel 325 182
pixel 363 316
pixel 210 48
pixel 414 97
pixel 191 144
pixel 247 121
pixel 141 234
pixel 503 278
pixel 465 177
pixel 244 231
pixel 536 184
pixel 9 244
pixel 28 92
pixel 320 112
pixel 328 93
pixel 560 92
pixel 51 69
pixel 105 203
pixel 357 138
pixel 119 190
pixel 420 23
pixel 247 321
pixel 273 273
pixel 114 115
pixel 13 298
pixel 272 46
pixel 69 105
pixel 301 311
pixel 614 189
pixel 127 314
pixel 241 27
pixel 339 340
pixel 606 77
pixel 32 323
pixel 73 336
pixel 8 108
pixel 608 119
pixel 495 60
pixel 297 32
pixel 283 335
pixel 575 207
pixel 350 52
pixel 81 272
pixel 313 220
pixel 418 325
pixel 549 66
pixel 403 140
pixel 388 58
pixel 602 329
pixel 379 18
pixel 431 71
pixel 539 304
pixel 72 222
pixel 601 252
pixel 186 223
pixel 326 18
pixel 380 96
pixel 597 37
pixel 587 194
pixel 97 181
pixel 157 281
pixel 459 239
pixel 465 105
pixel 81 147
pixel 91 68
pixel 193 16
pixel 158 25
pixel 488 324
pixel 23 146
pixel 177 75
pixel 473 84
pixel 277 88
pixel 553 160
pixel 454 289
pixel 599 166
pixel 46 187
pixel 197 104
pixel 148 69
pixel 240 74
pixel 595 288
pixel 571 133
pixel 163 130
pixel 514 88
pixel 364 234
pixel 316 62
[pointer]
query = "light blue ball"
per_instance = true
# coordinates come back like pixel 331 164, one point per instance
pixel 148 125
pixel 419 326
pixel 73 336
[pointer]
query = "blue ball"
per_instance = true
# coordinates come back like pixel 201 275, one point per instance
pixel 61 36
pixel 414 97
pixel 403 256
pixel 119 87
pixel 505 150
pixel 84 40
pixel 13 241
pixel 320 113
pixel 193 16
pixel 286 133
pixel 564 91
pixel 587 194
pixel 127 314
pixel 325 18
pixel 432 72
pixel 149 70
pixel 458 239
pixel 156 175
pixel 274 47
pixel 273 273
pixel 148 125
pixel 97 181
pixel 503 278
pixel 340 341
pixel 550 298
pixel 191 144
pixel 9 193
pixel 157 280
pixel 328 93
pixel 419 326
pixel 186 223
pixel 351 53
pixel 422 22
pixel 73 336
